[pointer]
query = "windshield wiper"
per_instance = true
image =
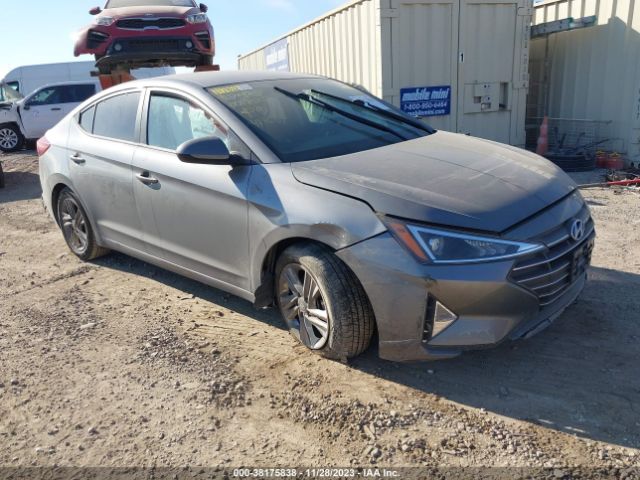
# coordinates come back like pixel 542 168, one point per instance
pixel 381 111
pixel 339 111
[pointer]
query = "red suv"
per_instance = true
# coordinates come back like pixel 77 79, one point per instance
pixel 148 33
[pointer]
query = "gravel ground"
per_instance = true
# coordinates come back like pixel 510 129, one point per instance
pixel 120 364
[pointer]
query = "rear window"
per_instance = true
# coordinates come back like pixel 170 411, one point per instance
pixel 116 117
pixel 149 3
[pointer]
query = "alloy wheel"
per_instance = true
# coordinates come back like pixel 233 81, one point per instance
pixel 8 139
pixel 74 225
pixel 303 306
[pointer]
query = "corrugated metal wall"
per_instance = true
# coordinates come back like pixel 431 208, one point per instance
pixel 389 45
pixel 343 44
pixel 594 73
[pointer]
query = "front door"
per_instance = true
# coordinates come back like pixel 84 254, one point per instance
pixel 194 215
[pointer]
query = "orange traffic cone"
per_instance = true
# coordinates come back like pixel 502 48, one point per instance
pixel 543 139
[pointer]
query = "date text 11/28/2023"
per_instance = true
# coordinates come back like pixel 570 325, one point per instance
pixel 315 473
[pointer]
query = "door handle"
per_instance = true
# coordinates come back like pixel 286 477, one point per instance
pixel 56 109
pixel 77 159
pixel 146 179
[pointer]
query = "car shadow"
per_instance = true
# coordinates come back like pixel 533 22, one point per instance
pixel 19 184
pixel 580 376
pixel 124 263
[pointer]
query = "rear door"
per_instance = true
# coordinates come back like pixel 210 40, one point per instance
pixel 102 143
pixel 49 105
pixel 194 216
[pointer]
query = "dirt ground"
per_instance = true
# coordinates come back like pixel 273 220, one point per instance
pixel 118 363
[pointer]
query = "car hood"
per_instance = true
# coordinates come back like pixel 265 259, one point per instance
pixel 160 11
pixel 445 179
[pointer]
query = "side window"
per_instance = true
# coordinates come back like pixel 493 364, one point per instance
pixel 116 117
pixel 47 96
pixel 78 93
pixel 86 119
pixel 173 121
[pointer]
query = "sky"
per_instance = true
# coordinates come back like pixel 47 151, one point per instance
pixel 45 34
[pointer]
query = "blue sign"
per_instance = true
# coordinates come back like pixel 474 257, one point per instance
pixel 426 101
pixel 277 56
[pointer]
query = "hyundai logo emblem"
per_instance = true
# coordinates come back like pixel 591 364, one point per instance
pixel 577 230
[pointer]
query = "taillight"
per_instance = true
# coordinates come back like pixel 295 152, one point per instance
pixel 42 146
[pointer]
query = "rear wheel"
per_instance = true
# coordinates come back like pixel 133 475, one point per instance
pixel 11 138
pixel 76 228
pixel 322 302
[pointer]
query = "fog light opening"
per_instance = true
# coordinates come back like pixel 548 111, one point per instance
pixel 437 320
pixel 117 47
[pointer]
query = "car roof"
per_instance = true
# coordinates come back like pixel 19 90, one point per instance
pixel 213 79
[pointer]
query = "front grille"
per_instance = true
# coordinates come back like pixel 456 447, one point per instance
pixel 551 273
pixel 155 23
pixel 153 45
pixel 95 38
pixel 204 39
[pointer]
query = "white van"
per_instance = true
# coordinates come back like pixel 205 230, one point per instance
pixel 30 117
pixel 27 78
pixel 24 118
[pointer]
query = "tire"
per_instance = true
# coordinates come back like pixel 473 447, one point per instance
pixel 1 176
pixel 76 227
pixel 11 139
pixel 335 319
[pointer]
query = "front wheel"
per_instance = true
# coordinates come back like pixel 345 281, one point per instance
pixel 76 228
pixel 11 139
pixel 323 302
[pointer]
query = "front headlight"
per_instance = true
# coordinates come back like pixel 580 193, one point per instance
pixel 104 21
pixel 197 18
pixel 431 245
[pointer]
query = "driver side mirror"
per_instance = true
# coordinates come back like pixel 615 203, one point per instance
pixel 207 151
pixel 95 11
pixel 204 8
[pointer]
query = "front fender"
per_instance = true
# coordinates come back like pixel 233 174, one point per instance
pixel 281 208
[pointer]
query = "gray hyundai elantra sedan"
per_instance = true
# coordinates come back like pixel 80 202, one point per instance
pixel 308 194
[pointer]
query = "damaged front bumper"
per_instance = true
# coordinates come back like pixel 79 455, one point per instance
pixel 489 307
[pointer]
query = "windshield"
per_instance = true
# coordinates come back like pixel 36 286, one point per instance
pixel 8 92
pixel 149 3
pixel 311 118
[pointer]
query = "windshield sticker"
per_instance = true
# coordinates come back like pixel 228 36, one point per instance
pixel 229 89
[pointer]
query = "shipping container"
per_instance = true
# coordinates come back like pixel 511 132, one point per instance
pixel 461 65
pixel 589 78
